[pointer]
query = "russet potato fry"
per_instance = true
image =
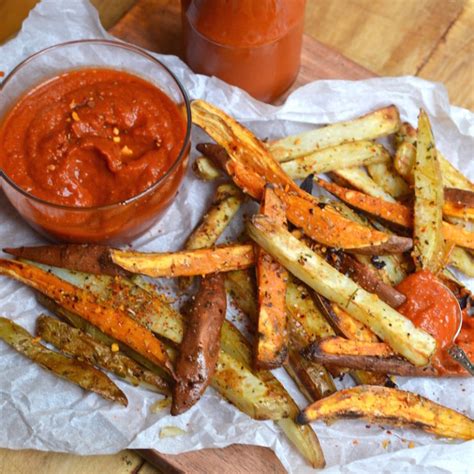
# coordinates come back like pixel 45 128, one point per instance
pixel 375 124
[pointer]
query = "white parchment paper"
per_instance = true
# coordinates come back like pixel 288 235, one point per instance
pixel 39 411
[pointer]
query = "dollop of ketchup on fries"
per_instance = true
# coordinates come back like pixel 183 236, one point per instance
pixel 432 306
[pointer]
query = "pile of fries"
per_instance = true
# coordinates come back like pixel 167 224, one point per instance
pixel 314 275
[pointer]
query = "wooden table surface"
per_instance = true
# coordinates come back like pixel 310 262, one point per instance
pixel 433 39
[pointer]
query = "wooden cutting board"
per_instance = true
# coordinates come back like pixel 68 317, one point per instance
pixel 156 26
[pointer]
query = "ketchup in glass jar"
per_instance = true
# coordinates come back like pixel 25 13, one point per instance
pixel 253 44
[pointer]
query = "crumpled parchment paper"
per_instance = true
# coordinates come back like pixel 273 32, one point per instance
pixel 40 411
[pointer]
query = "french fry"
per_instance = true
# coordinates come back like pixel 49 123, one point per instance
pixel 392 183
pixel 349 327
pixel 428 250
pixel 222 258
pixel 77 344
pixel 77 372
pixel 376 124
pixel 113 321
pixel 205 169
pixel 463 261
pixel 87 258
pixel 388 210
pixel 341 346
pixel 458 203
pixel 400 408
pixel 251 167
pixel 346 155
pixel 226 203
pixel 358 179
pixel 366 278
pixel 405 161
pixel 242 286
pixel 370 365
pixel 201 344
pixel 393 328
pixel 398 214
pixel 271 342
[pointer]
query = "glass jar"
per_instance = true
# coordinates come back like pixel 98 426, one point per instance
pixel 255 45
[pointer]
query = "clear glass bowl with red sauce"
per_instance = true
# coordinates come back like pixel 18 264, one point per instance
pixel 122 217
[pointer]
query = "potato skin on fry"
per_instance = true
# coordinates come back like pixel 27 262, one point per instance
pixel 77 372
pixel 86 258
pixel 200 347
pixel 389 405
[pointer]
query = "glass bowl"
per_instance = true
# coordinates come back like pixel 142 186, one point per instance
pixel 116 223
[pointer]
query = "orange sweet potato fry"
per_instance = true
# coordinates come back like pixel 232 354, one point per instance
pixel 111 321
pixel 271 343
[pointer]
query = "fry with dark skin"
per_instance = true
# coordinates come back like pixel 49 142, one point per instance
pixel 83 258
pixel 366 277
pixel 77 344
pixel 271 341
pixel 114 322
pixel 393 406
pixel 222 258
pixel 199 350
pixel 77 372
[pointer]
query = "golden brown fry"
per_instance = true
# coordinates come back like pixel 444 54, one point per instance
pixel 428 249
pixel 387 178
pixel 271 341
pixel 222 258
pixel 458 203
pixel 346 155
pixel 114 322
pixel 367 127
pixel 389 405
pixel 404 160
pixel 205 169
pixel 199 349
pixel 463 261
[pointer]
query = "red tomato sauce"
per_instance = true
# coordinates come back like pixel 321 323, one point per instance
pixel 255 45
pixel 91 137
pixel 434 308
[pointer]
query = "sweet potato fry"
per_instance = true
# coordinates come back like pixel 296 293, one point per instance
pixel 114 322
pixel 77 372
pixel 222 258
pixel 345 325
pixel 82 258
pixel 389 211
pixel 399 332
pixel 271 342
pixel 199 349
pixel 346 155
pixel 428 250
pixel 341 346
pixel 389 405
pixel 458 203
pixel 372 125
pixel 366 278
pixel 396 213
pixel 371 365
pixel 251 167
